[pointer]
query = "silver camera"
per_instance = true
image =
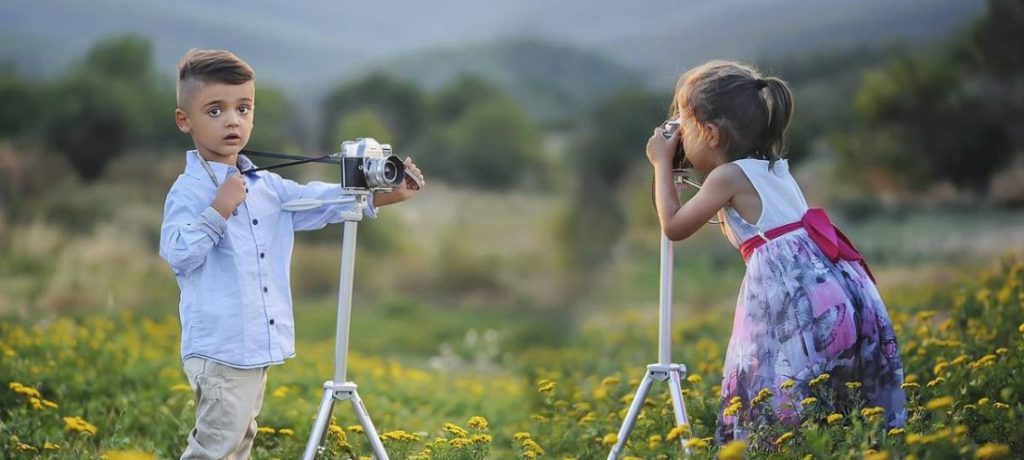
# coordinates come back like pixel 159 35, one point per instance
pixel 369 165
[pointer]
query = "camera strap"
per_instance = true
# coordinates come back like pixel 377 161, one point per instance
pixel 280 156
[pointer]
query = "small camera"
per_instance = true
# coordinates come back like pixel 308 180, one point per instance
pixel 369 165
pixel 679 161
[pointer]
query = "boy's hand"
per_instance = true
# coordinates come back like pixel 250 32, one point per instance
pixel 230 194
pixel 406 189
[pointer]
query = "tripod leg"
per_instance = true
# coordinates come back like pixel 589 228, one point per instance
pixel 678 405
pixel 631 415
pixel 370 431
pixel 323 418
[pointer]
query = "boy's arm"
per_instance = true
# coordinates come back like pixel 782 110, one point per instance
pixel 190 230
pixel 318 218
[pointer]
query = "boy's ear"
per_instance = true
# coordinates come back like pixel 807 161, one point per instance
pixel 181 119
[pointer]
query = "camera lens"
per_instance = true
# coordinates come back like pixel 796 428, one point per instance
pixel 384 172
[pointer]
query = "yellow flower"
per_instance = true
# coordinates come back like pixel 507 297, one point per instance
pixel 853 385
pixel 355 428
pixel 181 387
pixel 677 432
pixel 455 430
pixel 940 403
pixel 697 443
pixel 24 390
pixel 983 401
pixel 610 381
pixel 532 446
pixel 481 438
pixel 896 431
pixel 876 456
pixel 819 380
pixel 910 386
pixel 733 451
pixel 654 441
pixel 128 455
pixel 936 382
pixel 286 432
pixel 478 422
pixel 266 429
pixel 762 396
pixel 787 384
pixel 694 379
pixel 546 386
pixel 992 450
pixel 1000 405
pixel 808 401
pixel 1002 350
pixel 1021 328
pixel 50 446
pixel 590 417
pixel 79 425
pixel 459 443
pixel 834 418
pixel 785 437
pixel 871 411
pixel 280 392
pixel 940 367
pixel 610 439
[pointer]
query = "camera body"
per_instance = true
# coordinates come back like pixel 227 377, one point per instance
pixel 369 165
pixel 679 161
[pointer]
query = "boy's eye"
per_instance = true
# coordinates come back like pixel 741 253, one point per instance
pixel 244 109
pixel 214 112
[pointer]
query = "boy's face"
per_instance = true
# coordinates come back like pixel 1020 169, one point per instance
pixel 219 118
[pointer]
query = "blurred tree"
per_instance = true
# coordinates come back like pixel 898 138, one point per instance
pixel 274 127
pixel 362 123
pixel 22 105
pixel 110 101
pixel 399 105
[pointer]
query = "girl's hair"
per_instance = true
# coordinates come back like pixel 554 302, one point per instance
pixel 751 111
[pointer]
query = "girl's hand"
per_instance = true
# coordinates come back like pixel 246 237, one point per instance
pixel 660 150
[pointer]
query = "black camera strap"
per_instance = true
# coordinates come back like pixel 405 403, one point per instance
pixel 281 156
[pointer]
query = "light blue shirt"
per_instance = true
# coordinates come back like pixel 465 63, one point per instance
pixel 236 303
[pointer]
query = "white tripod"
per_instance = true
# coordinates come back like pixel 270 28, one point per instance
pixel 339 389
pixel 664 369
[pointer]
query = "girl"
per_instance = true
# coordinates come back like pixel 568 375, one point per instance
pixel 808 304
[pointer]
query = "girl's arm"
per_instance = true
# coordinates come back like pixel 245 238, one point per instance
pixel 679 221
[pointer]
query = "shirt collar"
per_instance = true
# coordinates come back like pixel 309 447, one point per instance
pixel 194 167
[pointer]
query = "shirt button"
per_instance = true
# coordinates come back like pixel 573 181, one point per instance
pixel 271 322
pixel 265 289
pixel 261 255
pixel 255 221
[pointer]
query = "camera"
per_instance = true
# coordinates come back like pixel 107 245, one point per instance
pixel 369 165
pixel 679 161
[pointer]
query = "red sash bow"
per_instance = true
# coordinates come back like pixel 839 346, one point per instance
pixel 822 231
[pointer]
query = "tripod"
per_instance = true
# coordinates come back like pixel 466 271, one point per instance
pixel 664 369
pixel 339 389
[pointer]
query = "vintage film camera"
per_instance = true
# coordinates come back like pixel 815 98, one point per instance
pixel 369 165
pixel 679 161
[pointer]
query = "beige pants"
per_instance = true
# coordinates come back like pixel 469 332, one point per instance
pixel 227 402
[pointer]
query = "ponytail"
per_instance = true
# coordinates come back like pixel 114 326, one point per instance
pixel 779 104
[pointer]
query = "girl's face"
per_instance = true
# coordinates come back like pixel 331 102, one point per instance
pixel 701 142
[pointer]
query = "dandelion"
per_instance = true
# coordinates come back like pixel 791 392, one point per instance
pixel 677 432
pixel 733 451
pixel 785 437
pixel 940 403
pixel 834 418
pixel 79 425
pixel 478 422
pixel 455 430
pixel 697 443
pixel 993 450
pixel 610 439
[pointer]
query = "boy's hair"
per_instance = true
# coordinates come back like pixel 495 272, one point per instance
pixel 732 96
pixel 209 66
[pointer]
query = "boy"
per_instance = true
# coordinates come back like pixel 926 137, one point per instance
pixel 229 244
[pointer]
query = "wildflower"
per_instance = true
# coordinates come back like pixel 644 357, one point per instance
pixel 936 382
pixel 654 441
pixel 1002 351
pixel 478 422
pixel 50 446
pixel 694 379
pixel 762 396
pixel 677 432
pixel 521 436
pixel 280 392
pixel 876 456
pixel 79 425
pixel 697 443
pixel 992 450
pixel 181 388
pixel 896 431
pixel 910 386
pixel 545 386
pixel 808 401
pixel 266 430
pixel 455 430
pixel 733 451
pixel 959 360
pixel 785 437
pixel 940 403
pixel 983 401
pixel 853 385
pixel 610 439
pixel 459 443
pixel 532 446
pixel 610 381
pixel 355 428
pixel 24 390
pixel 590 417
pixel 834 418
pixel 787 384
pixel 940 367
pixel 819 380
pixel 286 432
pixel 1000 405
